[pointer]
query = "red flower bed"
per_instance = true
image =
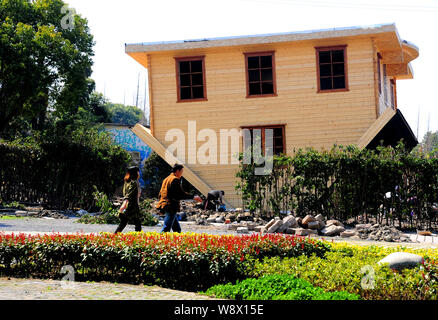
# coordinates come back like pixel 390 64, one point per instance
pixel 184 261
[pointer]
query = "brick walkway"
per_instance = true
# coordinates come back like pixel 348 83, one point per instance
pixel 35 289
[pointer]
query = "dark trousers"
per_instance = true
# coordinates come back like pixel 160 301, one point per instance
pixel 124 222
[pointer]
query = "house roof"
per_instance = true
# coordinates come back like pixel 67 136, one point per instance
pixel 397 53
pixel 263 38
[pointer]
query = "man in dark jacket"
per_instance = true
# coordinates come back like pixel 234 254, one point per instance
pixel 170 195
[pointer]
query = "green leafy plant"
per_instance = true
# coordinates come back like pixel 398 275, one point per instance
pixel 275 287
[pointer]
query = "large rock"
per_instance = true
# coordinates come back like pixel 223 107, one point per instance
pixel 334 222
pixel 288 222
pixel 363 226
pixel 313 225
pixel 270 223
pixel 332 230
pixel 347 234
pixel 402 260
pixel 319 217
pixel 277 224
pixel 290 231
pixel 307 219
pixel 304 232
pixel 242 230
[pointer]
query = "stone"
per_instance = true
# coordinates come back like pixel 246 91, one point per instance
pixel 251 226
pixel 210 220
pixel 220 219
pixel 334 222
pixel 307 219
pixel 332 230
pixel 421 233
pixel 275 226
pixel 238 210
pixel 232 226
pixel 347 234
pixel 259 228
pixel 363 226
pixel 319 217
pixel 302 232
pixel 313 225
pixel 299 221
pixel 290 231
pixel 321 225
pixel 270 223
pixel 288 222
pixel 231 216
pixel 242 230
pixel 402 260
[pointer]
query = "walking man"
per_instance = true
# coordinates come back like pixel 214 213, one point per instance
pixel 170 195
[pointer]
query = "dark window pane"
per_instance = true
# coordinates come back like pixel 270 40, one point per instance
pixel 186 93
pixel 254 88
pixel 196 66
pixel 184 67
pixel 338 56
pixel 338 82
pixel 326 83
pixel 278 132
pixel 338 69
pixel 197 79
pixel 198 92
pixel 254 75
pixel 325 70
pixel 266 61
pixel 185 80
pixel 266 74
pixel 324 57
pixel 278 141
pixel 267 87
pixel 253 62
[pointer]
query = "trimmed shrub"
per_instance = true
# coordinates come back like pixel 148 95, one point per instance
pixel 275 287
pixel 354 269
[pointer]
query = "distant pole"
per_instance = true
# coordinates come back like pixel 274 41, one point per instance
pixel 418 122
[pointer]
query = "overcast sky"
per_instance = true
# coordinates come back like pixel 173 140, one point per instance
pixel 114 23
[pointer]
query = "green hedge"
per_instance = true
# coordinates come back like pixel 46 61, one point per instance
pixel 276 287
pixel 345 182
pixel 60 172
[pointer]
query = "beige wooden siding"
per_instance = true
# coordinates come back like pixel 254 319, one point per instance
pixel 311 118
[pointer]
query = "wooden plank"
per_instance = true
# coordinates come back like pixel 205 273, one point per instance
pixel 145 135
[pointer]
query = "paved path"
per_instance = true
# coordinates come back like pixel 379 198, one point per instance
pixel 35 289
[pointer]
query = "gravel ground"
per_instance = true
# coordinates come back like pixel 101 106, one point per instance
pixel 71 226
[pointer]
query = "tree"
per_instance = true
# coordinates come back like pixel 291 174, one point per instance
pixel 44 65
pixel 120 113
pixel 429 144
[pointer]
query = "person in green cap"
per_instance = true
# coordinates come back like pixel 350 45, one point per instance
pixel 129 211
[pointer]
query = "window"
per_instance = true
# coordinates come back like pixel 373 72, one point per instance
pixel 260 74
pixel 385 85
pixel 190 79
pixel 278 143
pixel 392 88
pixel 379 73
pixel 332 68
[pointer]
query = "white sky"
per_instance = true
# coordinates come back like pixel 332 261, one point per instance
pixel 114 23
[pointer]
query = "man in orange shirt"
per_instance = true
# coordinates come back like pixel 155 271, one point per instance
pixel 170 195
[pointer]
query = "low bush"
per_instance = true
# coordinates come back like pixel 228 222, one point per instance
pixel 275 287
pixel 354 269
pixel 181 261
